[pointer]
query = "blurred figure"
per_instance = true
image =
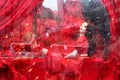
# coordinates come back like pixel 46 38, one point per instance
pixel 71 63
pixel 82 43
pixel 30 39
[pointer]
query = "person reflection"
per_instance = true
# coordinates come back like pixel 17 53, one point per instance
pixel 82 45
pixel 30 40
pixel 24 48
pixel 71 63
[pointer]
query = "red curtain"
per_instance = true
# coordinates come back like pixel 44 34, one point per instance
pixel 113 10
pixel 12 12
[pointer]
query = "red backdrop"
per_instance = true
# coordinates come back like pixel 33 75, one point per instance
pixel 12 12
pixel 113 10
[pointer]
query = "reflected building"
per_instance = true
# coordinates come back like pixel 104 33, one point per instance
pixel 60 11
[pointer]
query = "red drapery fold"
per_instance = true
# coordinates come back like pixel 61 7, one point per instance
pixel 12 12
pixel 114 16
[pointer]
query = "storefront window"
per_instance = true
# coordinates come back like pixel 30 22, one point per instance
pixel 59 33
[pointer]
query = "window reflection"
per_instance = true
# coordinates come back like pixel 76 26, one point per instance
pixel 60 24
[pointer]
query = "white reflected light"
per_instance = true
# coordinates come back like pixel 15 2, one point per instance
pixel 27 24
pixel 64 0
pixel 52 4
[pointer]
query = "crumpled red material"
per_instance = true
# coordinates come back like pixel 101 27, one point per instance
pixel 8 72
pixel 58 68
pixel 13 12
pixel 54 63
pixel 31 69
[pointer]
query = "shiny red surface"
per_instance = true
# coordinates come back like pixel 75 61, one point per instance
pixel 54 66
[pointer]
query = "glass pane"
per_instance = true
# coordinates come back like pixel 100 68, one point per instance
pixel 60 39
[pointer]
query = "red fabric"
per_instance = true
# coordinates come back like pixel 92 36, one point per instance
pixel 81 69
pixel 61 49
pixel 94 69
pixel 114 15
pixel 72 66
pixel 12 12
pixel 31 69
pixel 54 63
pixel 8 72
pixel 69 35
pixel 82 45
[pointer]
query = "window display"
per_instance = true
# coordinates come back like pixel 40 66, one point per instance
pixel 59 39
